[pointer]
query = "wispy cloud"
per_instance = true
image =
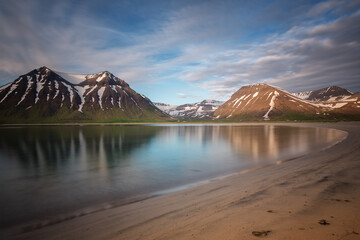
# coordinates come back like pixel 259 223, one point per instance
pixel 323 7
pixel 212 46
pixel 184 95
pixel 302 58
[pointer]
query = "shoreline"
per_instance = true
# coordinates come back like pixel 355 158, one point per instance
pixel 161 203
pixel 171 123
pixel 39 223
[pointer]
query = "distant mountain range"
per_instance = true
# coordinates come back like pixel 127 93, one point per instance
pixel 200 110
pixel 43 95
pixel 325 94
pixel 265 102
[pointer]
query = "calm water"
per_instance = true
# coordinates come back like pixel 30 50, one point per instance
pixel 53 170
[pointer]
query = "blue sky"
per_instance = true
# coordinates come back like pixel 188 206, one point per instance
pixel 186 51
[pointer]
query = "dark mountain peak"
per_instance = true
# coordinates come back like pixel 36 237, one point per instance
pixel 42 74
pixel 43 71
pixel 40 70
pixel 332 89
pixel 44 68
pixel 106 72
pixel 328 93
pixel 103 78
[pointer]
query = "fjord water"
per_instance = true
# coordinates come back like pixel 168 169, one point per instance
pixel 55 170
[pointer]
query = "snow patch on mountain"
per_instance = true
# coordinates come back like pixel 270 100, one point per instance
pixel 102 77
pixel 57 89
pixel 272 105
pixel 71 92
pixel 100 95
pixel 302 95
pixel 81 91
pixel 28 88
pixel 4 87
pixel 12 88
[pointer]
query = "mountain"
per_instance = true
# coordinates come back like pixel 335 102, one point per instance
pixel 302 95
pixel 200 110
pixel 346 107
pixel 43 95
pixel 325 94
pixel 164 107
pixel 265 102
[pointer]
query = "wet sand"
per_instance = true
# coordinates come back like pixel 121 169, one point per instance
pixel 287 199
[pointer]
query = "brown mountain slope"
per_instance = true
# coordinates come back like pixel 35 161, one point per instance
pixel 264 102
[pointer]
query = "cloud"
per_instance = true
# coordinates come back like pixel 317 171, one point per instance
pixel 213 46
pixel 323 7
pixel 78 44
pixel 303 58
pixel 68 39
pixel 184 95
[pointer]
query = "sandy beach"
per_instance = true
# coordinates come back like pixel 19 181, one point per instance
pixel 286 200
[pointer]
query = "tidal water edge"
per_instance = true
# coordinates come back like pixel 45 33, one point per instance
pixel 51 170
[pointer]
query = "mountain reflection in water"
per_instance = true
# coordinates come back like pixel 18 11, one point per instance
pixel 51 170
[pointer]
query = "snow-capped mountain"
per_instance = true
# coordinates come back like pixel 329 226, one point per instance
pixel 43 94
pixel 164 107
pixel 265 102
pixel 302 95
pixel 200 110
pixel 332 93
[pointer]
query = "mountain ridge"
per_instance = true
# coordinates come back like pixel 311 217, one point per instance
pixel 265 102
pixel 42 94
pixel 324 94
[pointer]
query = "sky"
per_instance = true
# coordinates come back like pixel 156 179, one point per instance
pixel 183 51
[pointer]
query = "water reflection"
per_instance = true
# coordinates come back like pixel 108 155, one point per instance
pixel 50 149
pixel 58 169
pixel 270 142
pixel 257 143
